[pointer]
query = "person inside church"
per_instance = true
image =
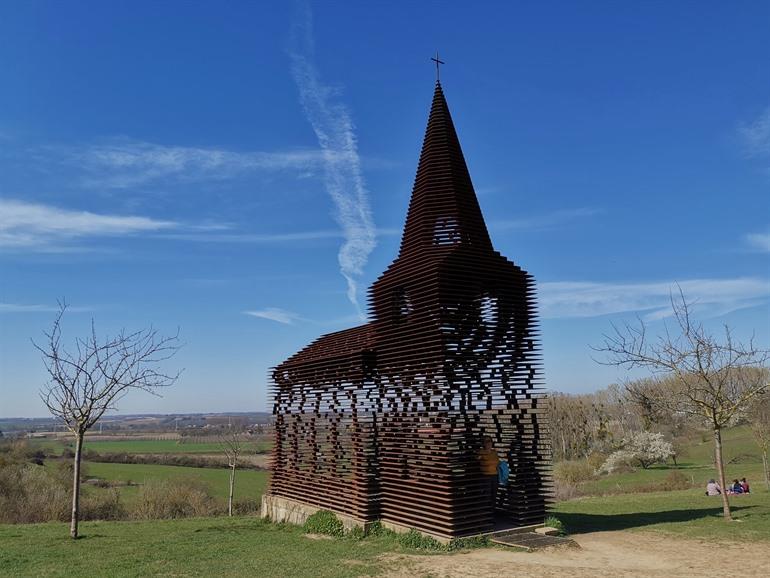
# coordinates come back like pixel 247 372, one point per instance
pixel 488 460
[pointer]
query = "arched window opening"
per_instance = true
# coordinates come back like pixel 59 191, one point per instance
pixel 488 311
pixel 446 231
pixel 402 303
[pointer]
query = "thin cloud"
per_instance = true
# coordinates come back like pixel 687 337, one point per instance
pixel 289 317
pixel 36 308
pixel 256 238
pixel 756 135
pixel 275 314
pixel 344 182
pixel 129 163
pixel 759 241
pixel 269 238
pixel 547 220
pixel 712 297
pixel 26 225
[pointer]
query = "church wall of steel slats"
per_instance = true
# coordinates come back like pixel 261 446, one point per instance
pixel 386 420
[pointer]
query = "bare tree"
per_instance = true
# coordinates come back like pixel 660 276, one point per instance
pixel 89 380
pixel 232 446
pixel 696 373
pixel 759 420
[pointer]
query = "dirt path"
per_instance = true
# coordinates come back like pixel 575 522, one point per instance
pixel 626 554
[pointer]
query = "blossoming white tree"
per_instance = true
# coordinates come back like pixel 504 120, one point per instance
pixel 641 448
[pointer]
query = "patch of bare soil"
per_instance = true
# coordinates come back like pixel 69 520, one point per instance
pixel 615 554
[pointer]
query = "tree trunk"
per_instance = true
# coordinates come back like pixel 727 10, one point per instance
pixel 76 486
pixel 230 497
pixel 563 446
pixel 721 472
pixel 765 466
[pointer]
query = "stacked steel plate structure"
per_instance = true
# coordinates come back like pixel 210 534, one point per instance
pixel 385 421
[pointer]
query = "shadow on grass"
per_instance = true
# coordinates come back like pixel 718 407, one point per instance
pixel 683 466
pixel 577 523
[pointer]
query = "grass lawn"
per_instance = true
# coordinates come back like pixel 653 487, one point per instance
pixel 686 512
pixel 249 546
pixel 243 546
pixel 248 483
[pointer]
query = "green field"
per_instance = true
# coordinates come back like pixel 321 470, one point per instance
pixel 128 446
pixel 250 484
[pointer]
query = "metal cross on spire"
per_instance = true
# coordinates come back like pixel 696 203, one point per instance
pixel 438 63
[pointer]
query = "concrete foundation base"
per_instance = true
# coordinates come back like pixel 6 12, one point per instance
pixel 280 509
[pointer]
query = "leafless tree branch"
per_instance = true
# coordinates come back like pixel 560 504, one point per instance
pixel 694 372
pixel 89 380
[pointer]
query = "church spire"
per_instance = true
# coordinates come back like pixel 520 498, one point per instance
pixel 443 209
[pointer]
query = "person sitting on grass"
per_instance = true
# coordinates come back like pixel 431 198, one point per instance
pixel 713 489
pixel 745 486
pixel 736 488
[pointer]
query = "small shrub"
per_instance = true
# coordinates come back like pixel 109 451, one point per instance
pixel 573 471
pixel 246 506
pixel 676 480
pixel 104 505
pixel 376 529
pixel 417 541
pixel 595 460
pixel 554 522
pixel 30 494
pixel 624 468
pixel 324 522
pixel 357 533
pixel 65 469
pixel 563 491
pixel 617 461
pixel 89 454
pixel 177 498
pixel 99 482
pixel 468 543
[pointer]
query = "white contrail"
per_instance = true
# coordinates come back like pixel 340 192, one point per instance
pixel 342 166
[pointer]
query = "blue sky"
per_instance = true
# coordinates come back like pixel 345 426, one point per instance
pixel 241 170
